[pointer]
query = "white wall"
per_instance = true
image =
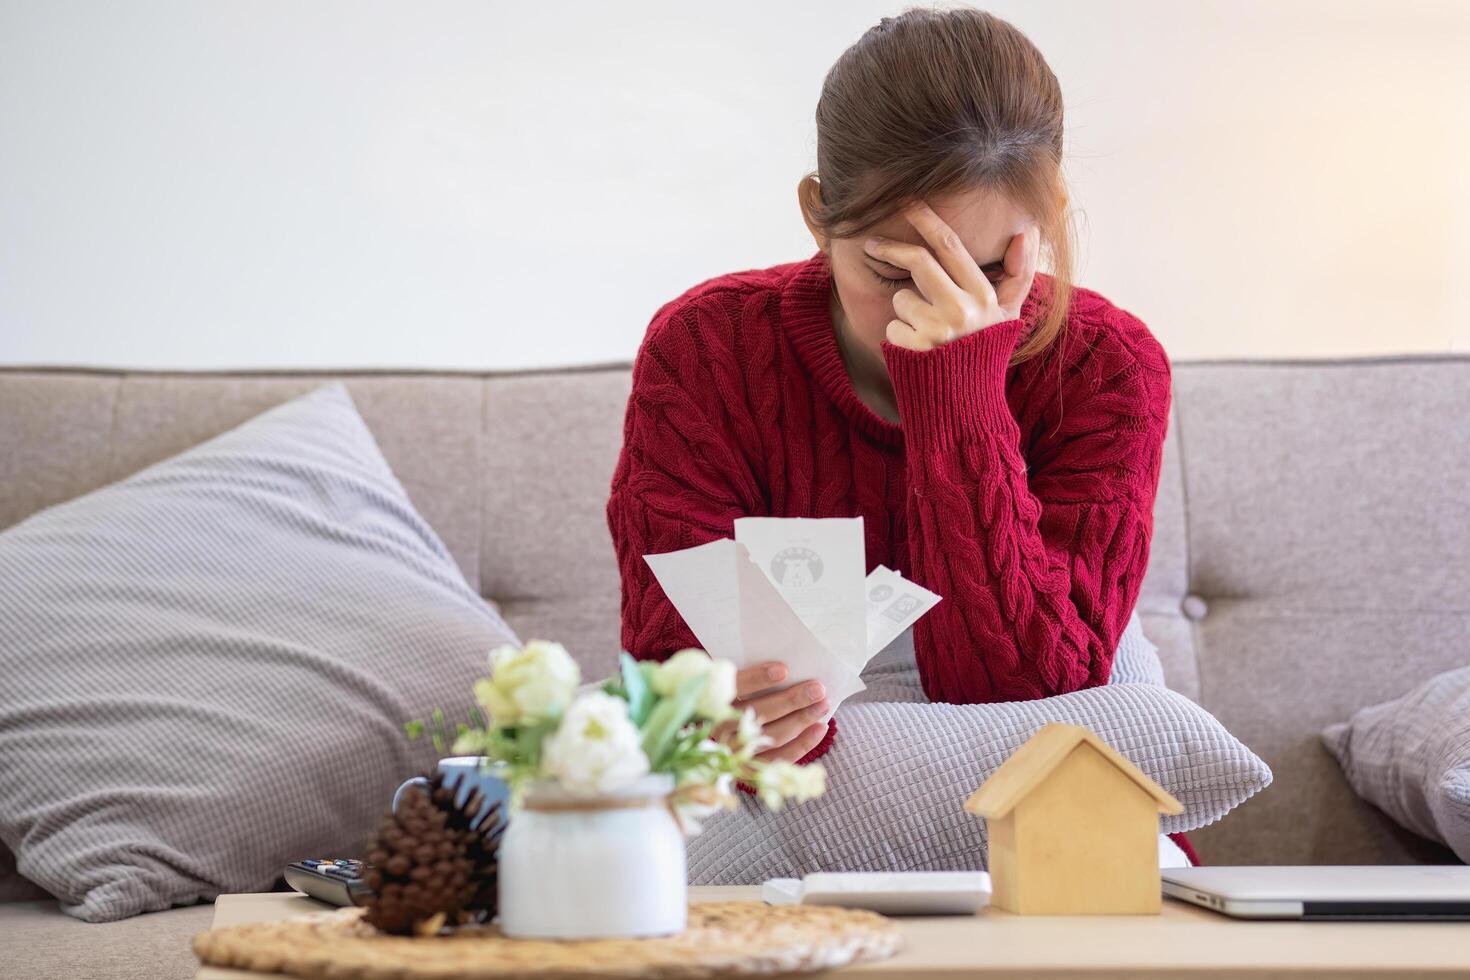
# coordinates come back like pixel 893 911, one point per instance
pixel 476 185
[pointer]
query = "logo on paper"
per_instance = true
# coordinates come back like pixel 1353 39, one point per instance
pixel 880 592
pixel 902 608
pixel 796 567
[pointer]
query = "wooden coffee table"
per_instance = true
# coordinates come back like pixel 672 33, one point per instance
pixel 1184 940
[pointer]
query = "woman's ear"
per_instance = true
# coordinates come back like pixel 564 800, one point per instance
pixel 808 196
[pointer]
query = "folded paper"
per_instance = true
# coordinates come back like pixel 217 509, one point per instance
pixel 792 590
pixel 894 604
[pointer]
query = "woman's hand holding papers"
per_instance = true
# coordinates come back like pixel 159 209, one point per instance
pixel 791 718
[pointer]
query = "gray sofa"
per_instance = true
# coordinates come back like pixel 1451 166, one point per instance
pixel 1309 557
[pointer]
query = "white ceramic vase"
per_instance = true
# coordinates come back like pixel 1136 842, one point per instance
pixel 580 867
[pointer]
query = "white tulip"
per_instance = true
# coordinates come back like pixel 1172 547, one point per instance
pixel 779 780
pixel 596 748
pixel 719 690
pixel 528 684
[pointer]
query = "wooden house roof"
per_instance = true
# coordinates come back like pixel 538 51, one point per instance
pixel 1043 752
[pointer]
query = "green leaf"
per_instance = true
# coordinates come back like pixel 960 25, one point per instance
pixel 413 729
pixel 529 739
pixel 648 668
pixel 667 717
pixel 687 741
pixel 637 689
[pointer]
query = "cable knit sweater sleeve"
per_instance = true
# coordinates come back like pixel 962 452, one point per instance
pixel 682 476
pixel 1039 570
pixel 680 480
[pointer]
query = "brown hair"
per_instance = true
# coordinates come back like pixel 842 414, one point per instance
pixel 936 101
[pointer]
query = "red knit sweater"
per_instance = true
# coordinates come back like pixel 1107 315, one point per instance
pixel 1022 495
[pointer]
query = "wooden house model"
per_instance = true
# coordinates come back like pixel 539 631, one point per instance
pixel 1073 828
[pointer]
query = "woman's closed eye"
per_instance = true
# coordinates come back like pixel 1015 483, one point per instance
pixel 890 283
pixel 994 278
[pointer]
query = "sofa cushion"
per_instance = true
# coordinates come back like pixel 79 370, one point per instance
pixel 1410 757
pixel 900 770
pixel 208 664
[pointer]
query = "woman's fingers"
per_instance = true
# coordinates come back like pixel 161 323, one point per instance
pixel 797 747
pixel 769 707
pixel 900 334
pixel 932 280
pixel 787 716
pixel 1020 270
pixel 948 248
pixel 783 730
pixel 757 678
pixel 723 731
pixel 921 316
pixel 954 296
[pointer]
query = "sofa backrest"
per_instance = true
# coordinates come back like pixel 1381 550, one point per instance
pixel 1308 555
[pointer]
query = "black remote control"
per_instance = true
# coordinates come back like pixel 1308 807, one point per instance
pixel 336 881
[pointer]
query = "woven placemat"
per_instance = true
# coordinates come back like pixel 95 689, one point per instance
pixel 723 939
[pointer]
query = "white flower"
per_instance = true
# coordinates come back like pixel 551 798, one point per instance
pixel 528 684
pixel 597 748
pixel 778 780
pixel 469 743
pixel 719 690
pixel 699 800
pixel 751 736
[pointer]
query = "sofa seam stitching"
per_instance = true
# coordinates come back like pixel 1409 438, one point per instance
pixel 1194 637
pixel 117 396
pixel 480 492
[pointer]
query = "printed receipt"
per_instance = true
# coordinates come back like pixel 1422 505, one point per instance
pixel 792 589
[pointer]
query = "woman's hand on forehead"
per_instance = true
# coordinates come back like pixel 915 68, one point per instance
pixel 955 297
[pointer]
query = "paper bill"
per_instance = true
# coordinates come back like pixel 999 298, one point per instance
pixel 701 583
pixel 738 615
pixel 893 605
pixel 792 590
pixel 771 630
pixel 817 566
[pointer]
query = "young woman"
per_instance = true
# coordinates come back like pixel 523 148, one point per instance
pixel 998 429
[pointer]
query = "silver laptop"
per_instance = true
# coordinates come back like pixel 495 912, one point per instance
pixel 1416 891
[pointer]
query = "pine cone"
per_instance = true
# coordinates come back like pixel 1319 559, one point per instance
pixel 428 867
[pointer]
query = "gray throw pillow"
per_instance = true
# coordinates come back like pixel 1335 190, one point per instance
pixel 901 768
pixel 1410 757
pixel 207 665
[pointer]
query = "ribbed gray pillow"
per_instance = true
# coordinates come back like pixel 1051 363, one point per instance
pixel 1410 757
pixel 900 770
pixel 206 666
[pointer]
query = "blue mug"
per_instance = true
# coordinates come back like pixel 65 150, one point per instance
pixel 466 773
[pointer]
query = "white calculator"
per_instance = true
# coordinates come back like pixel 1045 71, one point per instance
pixel 888 892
